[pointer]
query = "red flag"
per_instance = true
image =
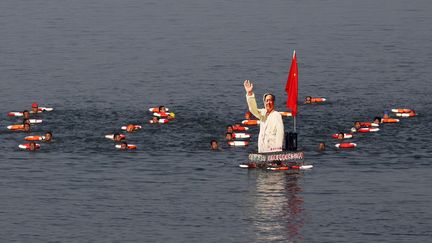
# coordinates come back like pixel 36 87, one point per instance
pixel 291 86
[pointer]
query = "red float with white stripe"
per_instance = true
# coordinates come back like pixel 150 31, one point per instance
pixel 27 146
pixel 34 138
pixel 345 145
pixel 367 129
pixel 241 135
pixel 238 143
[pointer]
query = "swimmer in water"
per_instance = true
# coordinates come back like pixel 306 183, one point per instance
pixel 32 146
pixel 162 109
pixel 321 146
pixel 377 120
pixel 340 136
pixel 356 127
pixel 214 145
pixel 155 119
pixel 229 136
pixel 123 146
pixel 48 137
pixel 26 121
pixel 386 115
pixel 26 114
pixel 131 128
pixel 248 115
pixel 35 108
pixel 117 137
pixel 26 127
pixel 308 100
pixel 229 129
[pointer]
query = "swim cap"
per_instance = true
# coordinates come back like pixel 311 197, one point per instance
pixel 35 105
pixel 172 114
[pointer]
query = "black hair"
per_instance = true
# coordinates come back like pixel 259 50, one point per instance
pixel 272 95
pixel 230 133
pixel 115 134
pixel 160 107
pixel 213 140
pixel 124 143
pixel 229 126
pixel 50 133
pixel 377 117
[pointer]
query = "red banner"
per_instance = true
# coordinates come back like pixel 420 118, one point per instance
pixel 291 86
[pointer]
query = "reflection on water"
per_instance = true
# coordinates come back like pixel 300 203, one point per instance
pixel 278 207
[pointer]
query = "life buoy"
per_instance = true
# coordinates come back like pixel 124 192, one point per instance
pixel 368 124
pixel 285 113
pixel 111 136
pixel 401 110
pixel 27 146
pixel 16 127
pixel 239 128
pixel 241 135
pixel 367 129
pixel 292 167
pixel 317 99
pixel 129 146
pixel 156 109
pixel 161 121
pixel 389 120
pixel 161 114
pixel 35 121
pixel 345 145
pixel 250 122
pixel 406 114
pixel 34 138
pixel 45 108
pixel 238 143
pixel 346 135
pixel 136 127
pixel 15 113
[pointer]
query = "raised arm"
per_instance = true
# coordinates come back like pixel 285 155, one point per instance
pixel 250 98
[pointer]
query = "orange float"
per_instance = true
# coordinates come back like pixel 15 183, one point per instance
pixel 318 100
pixel 239 128
pixel 411 114
pixel 34 138
pixel 401 110
pixel 389 120
pixel 136 127
pixel 285 113
pixel 250 122
pixel 16 127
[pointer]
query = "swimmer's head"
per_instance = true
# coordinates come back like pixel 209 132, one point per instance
pixel 123 146
pixel 214 144
pixel 32 146
pixel 155 119
pixel 377 120
pixel 308 99
pixel 357 124
pixel 162 108
pixel 26 121
pixel 26 114
pixel 229 136
pixel 130 128
pixel 171 115
pixel 35 107
pixel 26 127
pixel 321 146
pixel 248 115
pixel 229 129
pixel 117 137
pixel 48 136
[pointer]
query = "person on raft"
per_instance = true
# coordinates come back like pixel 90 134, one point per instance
pixel 308 100
pixel 271 135
pixel 35 108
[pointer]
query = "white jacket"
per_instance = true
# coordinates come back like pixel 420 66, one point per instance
pixel 271 135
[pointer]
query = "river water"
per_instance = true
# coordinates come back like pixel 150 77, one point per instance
pixel 102 63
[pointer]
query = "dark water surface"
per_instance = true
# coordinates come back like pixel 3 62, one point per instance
pixel 102 63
